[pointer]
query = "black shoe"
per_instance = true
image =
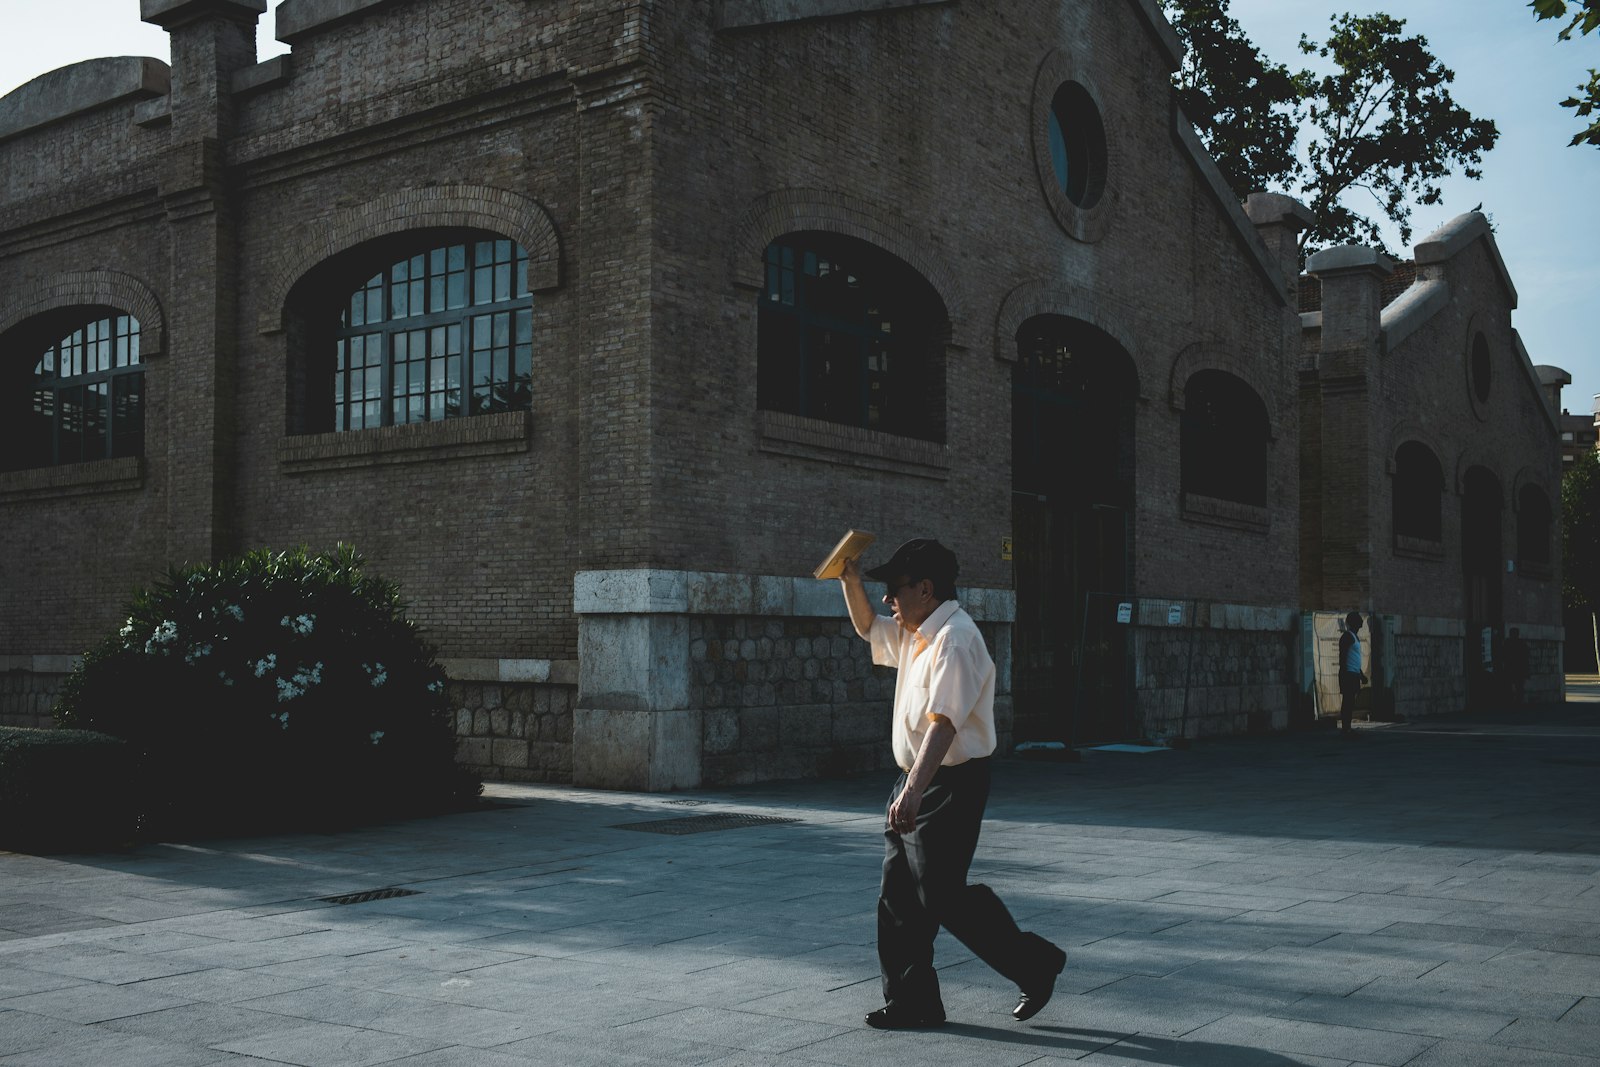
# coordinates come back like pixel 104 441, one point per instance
pixel 1036 996
pixel 900 1017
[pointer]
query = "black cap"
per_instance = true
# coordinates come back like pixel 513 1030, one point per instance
pixel 920 557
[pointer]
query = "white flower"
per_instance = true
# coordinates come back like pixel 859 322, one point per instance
pixel 436 686
pixel 297 684
pixel 224 676
pixel 196 652
pixel 127 629
pixel 377 673
pixel 300 624
pixel 236 611
pixel 164 635
pixel 265 665
pixel 376 736
pixel 283 719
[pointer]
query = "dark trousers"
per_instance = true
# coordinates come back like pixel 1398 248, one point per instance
pixel 925 887
pixel 1349 689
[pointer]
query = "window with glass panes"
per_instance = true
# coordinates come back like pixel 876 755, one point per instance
pixel 444 332
pixel 86 396
pixel 847 333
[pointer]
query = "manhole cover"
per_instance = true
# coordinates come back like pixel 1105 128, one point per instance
pixel 368 894
pixel 700 824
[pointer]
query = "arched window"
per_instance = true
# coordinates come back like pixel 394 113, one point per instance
pixel 442 328
pixel 1418 484
pixel 84 399
pixel 1533 526
pixel 1223 439
pixel 848 333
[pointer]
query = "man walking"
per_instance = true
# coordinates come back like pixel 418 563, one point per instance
pixel 943 734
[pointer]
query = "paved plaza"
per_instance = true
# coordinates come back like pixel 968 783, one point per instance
pixel 1419 895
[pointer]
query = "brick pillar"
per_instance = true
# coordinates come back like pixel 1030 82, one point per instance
pixel 210 40
pixel 1279 220
pixel 1351 473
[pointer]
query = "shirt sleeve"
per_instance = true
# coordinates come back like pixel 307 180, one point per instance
pixel 954 681
pixel 885 638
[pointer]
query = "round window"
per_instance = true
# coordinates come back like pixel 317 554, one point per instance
pixel 1480 368
pixel 1077 145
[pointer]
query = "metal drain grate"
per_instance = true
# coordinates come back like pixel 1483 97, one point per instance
pixel 700 824
pixel 369 894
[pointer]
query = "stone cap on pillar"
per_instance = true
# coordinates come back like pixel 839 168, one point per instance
pixel 1276 209
pixel 170 13
pixel 1351 259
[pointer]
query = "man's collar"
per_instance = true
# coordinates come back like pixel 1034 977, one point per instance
pixel 938 618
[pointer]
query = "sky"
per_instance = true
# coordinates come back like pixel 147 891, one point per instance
pixel 1542 196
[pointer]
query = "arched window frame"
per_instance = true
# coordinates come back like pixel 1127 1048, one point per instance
pixel 1224 434
pixel 78 389
pixel 848 333
pixel 1417 496
pixel 420 326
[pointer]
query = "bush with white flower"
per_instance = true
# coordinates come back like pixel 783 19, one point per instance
pixel 280 685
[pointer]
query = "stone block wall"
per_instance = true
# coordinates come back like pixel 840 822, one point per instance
pixel 1429 675
pixel 515 731
pixel 1232 671
pixel 27 696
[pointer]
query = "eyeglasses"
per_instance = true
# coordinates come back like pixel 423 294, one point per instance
pixel 892 590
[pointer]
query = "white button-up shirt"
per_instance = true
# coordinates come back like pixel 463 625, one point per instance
pixel 945 670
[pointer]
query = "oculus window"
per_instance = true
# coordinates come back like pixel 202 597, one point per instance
pixel 1077 145
pixel 83 395
pixel 850 334
pixel 1223 439
pixel 439 327
pixel 1418 486
pixel 1480 368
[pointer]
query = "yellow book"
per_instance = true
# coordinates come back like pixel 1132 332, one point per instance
pixel 850 546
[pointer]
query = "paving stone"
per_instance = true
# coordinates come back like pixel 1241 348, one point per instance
pixel 327 1045
pixel 1563 1035
pixel 22 1031
pixel 92 1002
pixel 1312 1038
pixel 1465 1054
pixel 1145 1050
pixel 91 1045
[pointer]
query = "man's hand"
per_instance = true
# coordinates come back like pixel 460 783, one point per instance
pixel 903 812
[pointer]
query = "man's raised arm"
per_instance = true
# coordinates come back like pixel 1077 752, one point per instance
pixel 855 598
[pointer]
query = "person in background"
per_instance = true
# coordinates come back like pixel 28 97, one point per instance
pixel 1351 675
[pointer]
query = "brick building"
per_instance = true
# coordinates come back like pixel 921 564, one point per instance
pixel 1431 468
pixel 594 323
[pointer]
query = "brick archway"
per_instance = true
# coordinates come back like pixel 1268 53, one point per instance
pixel 790 210
pixel 434 207
pixel 107 288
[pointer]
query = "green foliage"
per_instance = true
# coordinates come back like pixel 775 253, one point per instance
pixel 273 688
pixel 1385 124
pixel 1246 109
pixel 1580 533
pixel 63 789
pixel 1585 18
pixel 1382 125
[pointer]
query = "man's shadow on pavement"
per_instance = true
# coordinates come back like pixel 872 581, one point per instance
pixel 1169 1051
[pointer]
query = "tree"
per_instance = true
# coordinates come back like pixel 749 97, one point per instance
pixel 1247 110
pixel 1382 123
pixel 1580 532
pixel 1585 18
